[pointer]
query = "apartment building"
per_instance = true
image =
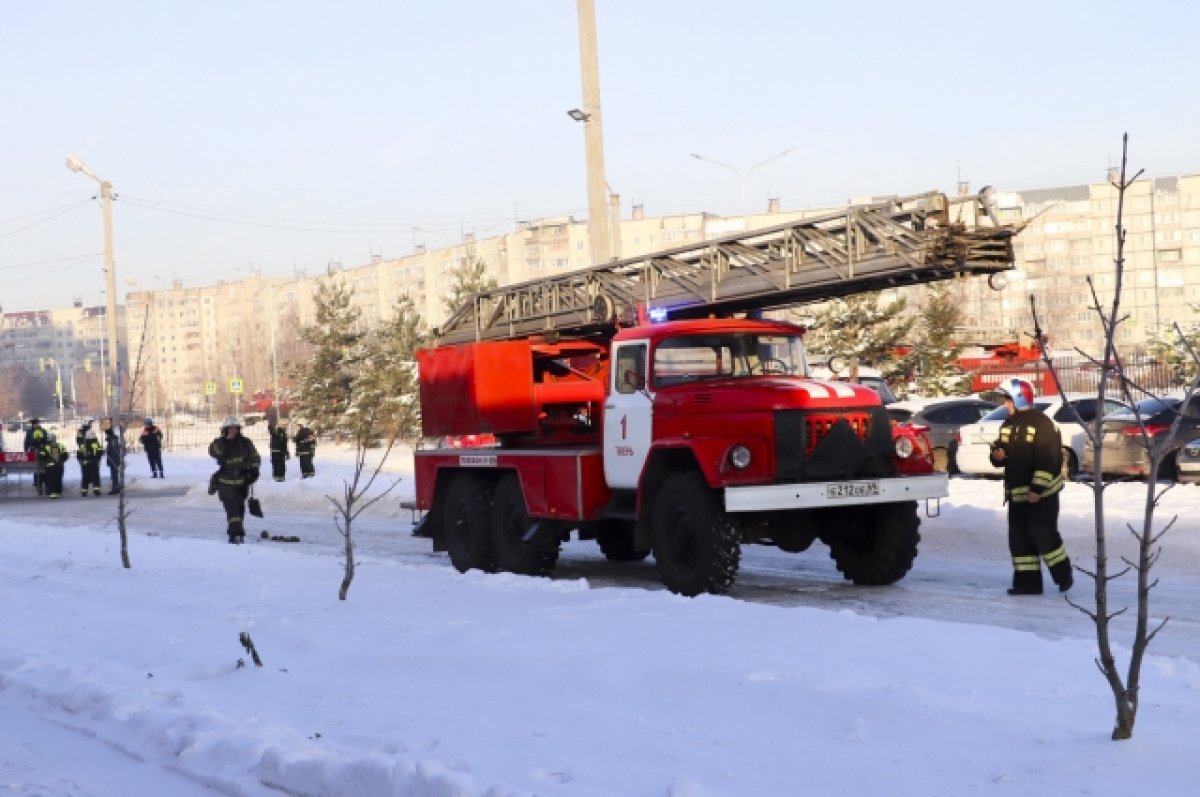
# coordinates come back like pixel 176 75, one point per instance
pixel 64 346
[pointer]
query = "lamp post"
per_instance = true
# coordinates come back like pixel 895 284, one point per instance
pixel 110 272
pixel 593 136
pixel 743 177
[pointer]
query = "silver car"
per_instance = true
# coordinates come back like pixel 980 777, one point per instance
pixel 1124 451
pixel 942 417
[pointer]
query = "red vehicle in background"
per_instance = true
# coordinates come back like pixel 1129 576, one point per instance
pixel 264 401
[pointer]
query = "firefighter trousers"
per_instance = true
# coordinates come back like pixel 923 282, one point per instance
pixel 233 498
pixel 1032 538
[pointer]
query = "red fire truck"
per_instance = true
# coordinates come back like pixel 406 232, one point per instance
pixel 646 404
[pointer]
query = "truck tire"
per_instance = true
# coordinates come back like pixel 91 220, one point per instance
pixel 509 522
pixel 878 545
pixel 468 499
pixel 697 547
pixel 615 539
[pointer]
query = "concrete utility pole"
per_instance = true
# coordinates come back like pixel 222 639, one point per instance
pixel 110 273
pixel 593 136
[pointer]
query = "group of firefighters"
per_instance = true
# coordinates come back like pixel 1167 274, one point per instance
pixel 52 457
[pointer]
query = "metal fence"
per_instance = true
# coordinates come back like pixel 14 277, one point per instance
pixel 1080 376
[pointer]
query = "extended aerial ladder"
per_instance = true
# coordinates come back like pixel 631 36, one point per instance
pixel 901 241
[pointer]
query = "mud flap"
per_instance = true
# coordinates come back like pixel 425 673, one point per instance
pixel 936 510
pixel 542 536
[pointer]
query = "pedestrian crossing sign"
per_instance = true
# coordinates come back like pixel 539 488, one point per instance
pixel 210 388
pixel 235 386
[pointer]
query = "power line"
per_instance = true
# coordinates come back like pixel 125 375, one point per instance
pixel 52 260
pixel 66 209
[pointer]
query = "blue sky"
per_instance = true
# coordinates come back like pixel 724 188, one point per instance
pixel 334 131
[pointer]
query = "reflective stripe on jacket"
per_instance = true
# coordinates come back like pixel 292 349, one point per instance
pixel 1033 455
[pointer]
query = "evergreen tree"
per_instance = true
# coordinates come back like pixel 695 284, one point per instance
pixel 386 385
pixel 324 389
pixel 1166 345
pixel 469 278
pixel 859 326
pixel 936 356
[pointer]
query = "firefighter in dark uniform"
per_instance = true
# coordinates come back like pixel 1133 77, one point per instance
pixel 89 455
pixel 306 449
pixel 1030 451
pixel 51 457
pixel 238 462
pixel 279 451
pixel 35 436
pixel 114 452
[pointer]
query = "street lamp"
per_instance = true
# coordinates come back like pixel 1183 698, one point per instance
pixel 110 271
pixel 593 136
pixel 743 177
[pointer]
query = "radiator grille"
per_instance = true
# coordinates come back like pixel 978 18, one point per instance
pixel 818 426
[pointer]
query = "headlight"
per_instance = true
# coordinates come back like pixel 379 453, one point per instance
pixel 904 447
pixel 739 457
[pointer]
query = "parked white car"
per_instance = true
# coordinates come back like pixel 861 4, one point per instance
pixel 975 441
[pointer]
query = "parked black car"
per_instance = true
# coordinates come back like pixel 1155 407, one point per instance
pixel 1125 452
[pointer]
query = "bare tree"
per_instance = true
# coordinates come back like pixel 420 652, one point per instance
pixel 1125 687
pixel 353 501
pixel 132 396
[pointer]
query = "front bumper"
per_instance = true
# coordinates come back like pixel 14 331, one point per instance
pixel 775 497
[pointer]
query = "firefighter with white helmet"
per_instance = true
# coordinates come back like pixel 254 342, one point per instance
pixel 238 462
pixel 1029 449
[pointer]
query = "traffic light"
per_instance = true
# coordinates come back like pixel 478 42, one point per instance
pixel 42 364
pixel 87 365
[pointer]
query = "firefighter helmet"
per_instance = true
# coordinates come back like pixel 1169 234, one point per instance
pixel 231 420
pixel 1019 390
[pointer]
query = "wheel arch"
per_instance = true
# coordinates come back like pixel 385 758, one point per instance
pixel 662 463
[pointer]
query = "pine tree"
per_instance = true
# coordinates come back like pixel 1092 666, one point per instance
pixel 1168 347
pixel 859 326
pixel 324 391
pixel 469 278
pixel 936 356
pixel 386 385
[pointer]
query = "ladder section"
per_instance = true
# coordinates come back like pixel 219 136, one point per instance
pixel 904 241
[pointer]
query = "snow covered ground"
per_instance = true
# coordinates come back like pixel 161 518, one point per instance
pixel 429 683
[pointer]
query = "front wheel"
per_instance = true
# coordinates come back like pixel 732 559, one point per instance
pixel 874 546
pixel 509 522
pixel 697 547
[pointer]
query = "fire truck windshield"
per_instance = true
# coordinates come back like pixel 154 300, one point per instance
pixel 688 358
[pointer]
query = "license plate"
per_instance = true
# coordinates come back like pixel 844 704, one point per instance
pixel 1189 467
pixel 851 489
pixel 1110 437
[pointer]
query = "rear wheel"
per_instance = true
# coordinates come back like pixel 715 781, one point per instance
pixel 615 539
pixel 1070 467
pixel 509 522
pixel 697 547
pixel 878 544
pixel 466 524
